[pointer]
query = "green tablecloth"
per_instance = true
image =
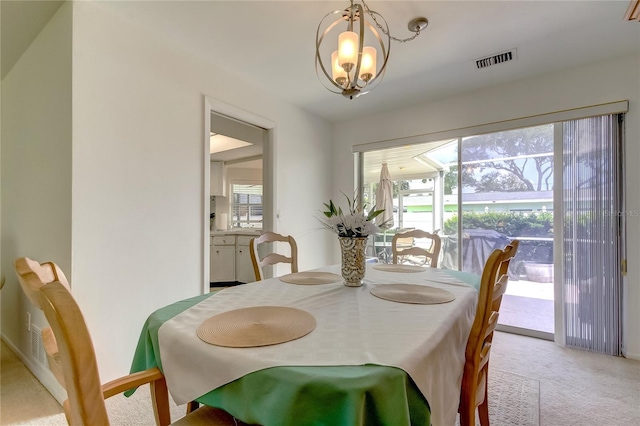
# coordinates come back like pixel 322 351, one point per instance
pixel 339 395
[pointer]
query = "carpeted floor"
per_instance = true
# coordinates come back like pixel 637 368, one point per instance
pixel 577 387
pixel 532 382
pixel 514 400
pixel 24 401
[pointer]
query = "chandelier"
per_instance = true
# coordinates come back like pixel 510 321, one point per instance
pixel 360 60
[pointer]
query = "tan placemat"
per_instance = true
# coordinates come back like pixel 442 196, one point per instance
pixel 311 278
pixel 256 326
pixel 390 267
pixel 412 293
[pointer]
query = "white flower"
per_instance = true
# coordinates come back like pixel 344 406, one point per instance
pixel 355 224
pixel 351 225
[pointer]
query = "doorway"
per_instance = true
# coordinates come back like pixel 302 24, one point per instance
pixel 234 174
pixel 236 179
pixel 508 193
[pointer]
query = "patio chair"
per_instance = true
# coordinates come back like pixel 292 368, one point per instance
pixel 404 249
pixel 272 258
pixel 493 284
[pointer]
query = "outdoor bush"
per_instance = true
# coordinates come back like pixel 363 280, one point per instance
pixel 511 224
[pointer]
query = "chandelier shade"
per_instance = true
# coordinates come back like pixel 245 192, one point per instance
pixel 357 62
pixel 354 66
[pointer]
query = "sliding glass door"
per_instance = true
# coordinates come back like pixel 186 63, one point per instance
pixel 506 183
pixel 501 187
pixel 559 192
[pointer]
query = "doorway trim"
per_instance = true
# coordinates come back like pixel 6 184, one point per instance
pixel 213 105
pixel 558 247
pixel 498 126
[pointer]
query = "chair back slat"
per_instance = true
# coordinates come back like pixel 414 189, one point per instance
pixel 401 239
pixel 272 258
pixel 493 322
pixel 500 288
pixel 484 355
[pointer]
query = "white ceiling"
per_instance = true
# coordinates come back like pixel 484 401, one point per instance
pixel 271 44
pixel 400 162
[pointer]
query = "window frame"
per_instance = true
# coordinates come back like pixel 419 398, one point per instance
pixel 233 204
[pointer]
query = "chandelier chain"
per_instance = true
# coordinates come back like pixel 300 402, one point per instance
pixel 399 40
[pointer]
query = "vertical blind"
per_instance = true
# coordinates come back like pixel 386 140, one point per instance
pixel 593 239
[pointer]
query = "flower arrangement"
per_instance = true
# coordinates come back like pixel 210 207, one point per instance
pixel 354 224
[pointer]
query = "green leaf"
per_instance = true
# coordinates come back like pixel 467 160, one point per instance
pixel 332 209
pixel 374 213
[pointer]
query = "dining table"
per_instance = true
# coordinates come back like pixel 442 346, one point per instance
pixel 390 352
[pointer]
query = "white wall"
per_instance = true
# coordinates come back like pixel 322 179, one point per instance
pixel 36 172
pixel 612 80
pixel 138 175
pixel 118 146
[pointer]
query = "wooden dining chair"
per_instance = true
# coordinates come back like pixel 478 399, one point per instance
pixel 85 404
pixel 475 379
pixel 32 275
pixel 412 253
pixel 272 258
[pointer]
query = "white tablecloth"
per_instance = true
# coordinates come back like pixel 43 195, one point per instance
pixel 353 328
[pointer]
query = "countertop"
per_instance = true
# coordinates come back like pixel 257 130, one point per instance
pixel 251 232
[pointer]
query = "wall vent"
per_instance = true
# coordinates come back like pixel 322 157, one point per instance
pixel 37 345
pixel 496 59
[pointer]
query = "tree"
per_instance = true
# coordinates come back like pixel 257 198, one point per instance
pixel 591 166
pixel 510 160
pixel 400 185
pixel 451 178
pixel 500 182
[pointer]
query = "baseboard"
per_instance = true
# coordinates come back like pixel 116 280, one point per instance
pixel 224 284
pixel 42 373
pixel 630 355
pixel 525 332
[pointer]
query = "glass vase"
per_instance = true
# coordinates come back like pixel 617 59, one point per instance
pixel 353 260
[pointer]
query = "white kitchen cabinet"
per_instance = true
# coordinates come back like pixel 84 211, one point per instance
pixel 244 265
pixel 231 258
pixel 218 178
pixel 223 254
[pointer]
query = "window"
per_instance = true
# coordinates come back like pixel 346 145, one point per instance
pixel 566 278
pixel 246 210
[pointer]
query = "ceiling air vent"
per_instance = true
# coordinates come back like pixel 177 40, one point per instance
pixel 498 58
